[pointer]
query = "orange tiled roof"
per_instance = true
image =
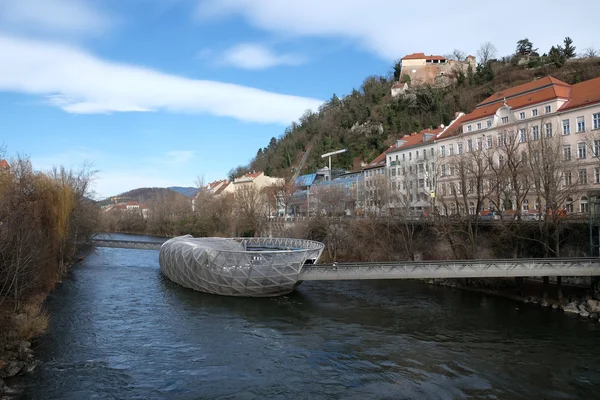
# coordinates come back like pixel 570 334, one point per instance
pixel 252 175
pixel 212 185
pixel 524 95
pixel 583 94
pixel 538 84
pixel 454 128
pixel 220 190
pixel 419 56
pixel 379 161
pixel 4 164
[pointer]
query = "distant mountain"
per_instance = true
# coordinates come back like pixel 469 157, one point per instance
pixel 144 194
pixel 186 191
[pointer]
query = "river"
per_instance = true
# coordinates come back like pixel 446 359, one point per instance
pixel 120 330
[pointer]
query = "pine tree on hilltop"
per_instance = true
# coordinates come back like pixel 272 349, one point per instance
pixel 569 49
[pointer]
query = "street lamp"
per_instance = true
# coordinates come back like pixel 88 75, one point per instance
pixel 332 154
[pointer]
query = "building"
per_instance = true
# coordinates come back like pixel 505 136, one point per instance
pixel 529 149
pixel 432 70
pixel 4 164
pixel 412 170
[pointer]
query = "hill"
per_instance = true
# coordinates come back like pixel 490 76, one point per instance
pixel 186 191
pixel 141 195
pixel 369 119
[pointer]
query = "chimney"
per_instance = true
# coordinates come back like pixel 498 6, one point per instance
pixel 442 126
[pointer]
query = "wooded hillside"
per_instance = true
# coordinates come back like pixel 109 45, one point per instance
pixel 369 119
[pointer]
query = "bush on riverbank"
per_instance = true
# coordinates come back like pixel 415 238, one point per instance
pixel 43 218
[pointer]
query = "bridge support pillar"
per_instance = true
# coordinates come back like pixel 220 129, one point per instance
pixel 545 285
pixel 519 285
pixel 559 294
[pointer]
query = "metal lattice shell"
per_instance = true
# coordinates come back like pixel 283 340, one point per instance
pixel 255 267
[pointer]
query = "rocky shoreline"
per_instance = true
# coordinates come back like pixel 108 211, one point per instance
pixel 15 359
pixel 585 306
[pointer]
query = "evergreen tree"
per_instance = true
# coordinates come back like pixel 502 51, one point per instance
pixel 397 71
pixel 557 56
pixel 569 50
pixel 525 47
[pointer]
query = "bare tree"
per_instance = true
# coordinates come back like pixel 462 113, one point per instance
pixel 590 52
pixel 487 51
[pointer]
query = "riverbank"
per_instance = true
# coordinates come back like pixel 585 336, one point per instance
pixel 571 299
pixel 19 328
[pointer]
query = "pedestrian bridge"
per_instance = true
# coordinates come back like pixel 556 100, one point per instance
pixel 423 269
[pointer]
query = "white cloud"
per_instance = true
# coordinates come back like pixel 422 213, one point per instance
pixel 55 16
pixel 180 156
pixel 78 82
pixel 392 28
pixel 255 56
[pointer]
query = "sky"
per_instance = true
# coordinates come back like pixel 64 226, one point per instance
pixel 161 92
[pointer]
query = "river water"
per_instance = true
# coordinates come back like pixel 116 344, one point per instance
pixel 120 330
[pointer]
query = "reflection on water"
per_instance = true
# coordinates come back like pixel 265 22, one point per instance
pixel 121 330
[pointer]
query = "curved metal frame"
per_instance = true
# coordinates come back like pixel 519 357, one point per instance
pixel 261 267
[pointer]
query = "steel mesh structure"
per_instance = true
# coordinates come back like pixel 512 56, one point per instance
pixel 251 267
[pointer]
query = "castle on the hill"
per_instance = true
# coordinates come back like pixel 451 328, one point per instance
pixel 430 70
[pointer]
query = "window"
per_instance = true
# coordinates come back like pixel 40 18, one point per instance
pixel 490 142
pixel 522 115
pixel 489 123
pixel 548 109
pixel 451 149
pixel 583 205
pixel 396 157
pixel 596 119
pixel 505 120
pixel 501 139
pixel 471 208
pixel 566 127
pixel 443 189
pixel 443 151
pixel 500 160
pixel 548 130
pixel 569 205
pixel 479 143
pixel 534 112
pixel 432 152
pixel 452 170
pixel 583 177
pixel 567 152
pixel 567 179
pixel 535 132
pixel 597 148
pixel 409 156
pixel 403 157
pixel 581 151
pixel 525 205
pixel 596 175
pixel 580 124
pixel 390 159
pixel 524 156
pixel 444 170
pixel 421 182
pixel 460 147
pixel 469 128
pixel 421 168
pixel 523 135
pixel 417 154
pixel 470 145
pixel 479 125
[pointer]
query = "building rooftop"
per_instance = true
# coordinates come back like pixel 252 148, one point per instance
pixel 4 164
pixel 583 94
pixel 420 56
pixel 527 94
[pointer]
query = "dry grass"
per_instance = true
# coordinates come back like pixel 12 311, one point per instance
pixel 32 320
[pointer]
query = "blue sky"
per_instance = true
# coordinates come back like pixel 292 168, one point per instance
pixel 159 92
